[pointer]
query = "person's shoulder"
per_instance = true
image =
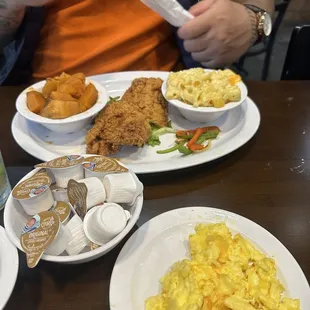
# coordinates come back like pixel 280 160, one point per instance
pixel 16 66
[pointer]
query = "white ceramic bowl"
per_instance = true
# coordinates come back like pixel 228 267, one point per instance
pixel 67 125
pixel 15 218
pixel 204 114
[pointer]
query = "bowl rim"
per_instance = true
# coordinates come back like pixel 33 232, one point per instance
pixel 21 105
pixel 188 107
pixel 82 257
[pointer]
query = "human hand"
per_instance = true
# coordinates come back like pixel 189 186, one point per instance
pixel 220 33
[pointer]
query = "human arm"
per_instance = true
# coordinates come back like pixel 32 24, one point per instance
pixel 18 46
pixel 10 19
pixel 267 5
pixel 11 15
pixel 222 30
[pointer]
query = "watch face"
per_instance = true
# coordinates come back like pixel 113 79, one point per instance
pixel 267 24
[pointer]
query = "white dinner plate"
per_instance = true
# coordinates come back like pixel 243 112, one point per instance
pixel 8 267
pixel 156 245
pixel 238 127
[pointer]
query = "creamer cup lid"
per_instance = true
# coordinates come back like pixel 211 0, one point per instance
pixel 62 162
pixel 77 195
pixel 62 209
pixel 39 232
pixel 103 164
pixel 32 187
pixel 41 172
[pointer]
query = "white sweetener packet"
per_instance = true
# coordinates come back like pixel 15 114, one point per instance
pixel 171 10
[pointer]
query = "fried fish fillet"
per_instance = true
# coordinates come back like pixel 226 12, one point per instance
pixel 145 95
pixel 101 147
pixel 118 124
pixel 127 122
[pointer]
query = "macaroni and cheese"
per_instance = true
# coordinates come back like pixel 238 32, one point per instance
pixel 204 89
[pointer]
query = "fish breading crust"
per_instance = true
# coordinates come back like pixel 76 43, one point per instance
pixel 120 125
pixel 102 147
pixel 127 122
pixel 145 95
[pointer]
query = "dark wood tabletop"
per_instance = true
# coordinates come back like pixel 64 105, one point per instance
pixel 267 181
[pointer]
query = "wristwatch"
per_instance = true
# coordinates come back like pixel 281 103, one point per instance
pixel 262 26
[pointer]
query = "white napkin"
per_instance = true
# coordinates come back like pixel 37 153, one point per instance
pixel 171 10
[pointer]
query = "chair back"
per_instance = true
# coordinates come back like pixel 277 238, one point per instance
pixel 297 62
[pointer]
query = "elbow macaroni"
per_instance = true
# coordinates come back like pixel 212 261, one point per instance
pixel 225 272
pixel 204 89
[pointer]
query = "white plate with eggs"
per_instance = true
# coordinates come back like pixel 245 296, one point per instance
pixel 158 244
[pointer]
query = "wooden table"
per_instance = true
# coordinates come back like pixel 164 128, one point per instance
pixel 265 181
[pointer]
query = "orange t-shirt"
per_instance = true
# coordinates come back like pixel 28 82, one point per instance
pixel 98 36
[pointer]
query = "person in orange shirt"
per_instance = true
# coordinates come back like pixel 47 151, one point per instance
pixel 99 36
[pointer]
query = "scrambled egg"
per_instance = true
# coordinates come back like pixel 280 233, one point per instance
pixel 225 273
